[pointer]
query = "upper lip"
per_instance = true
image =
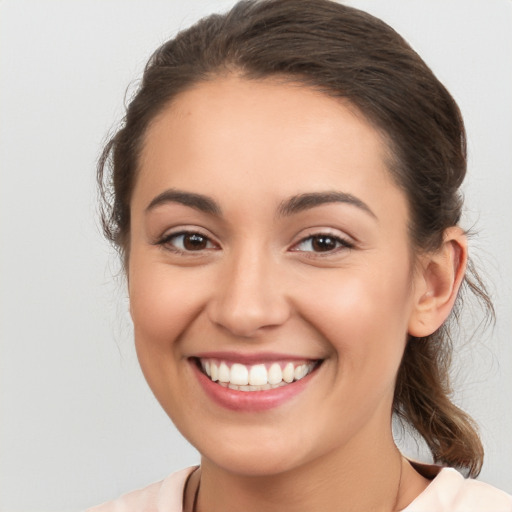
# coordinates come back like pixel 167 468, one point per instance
pixel 253 358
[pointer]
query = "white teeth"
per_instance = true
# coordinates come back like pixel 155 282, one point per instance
pixel 300 372
pixel 275 375
pixel 254 378
pixel 224 373
pixel 258 375
pixel 288 373
pixel 239 375
pixel 214 369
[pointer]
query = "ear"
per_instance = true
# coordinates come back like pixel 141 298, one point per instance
pixel 437 282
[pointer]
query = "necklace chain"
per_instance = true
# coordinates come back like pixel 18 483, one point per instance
pixel 395 506
pixel 196 494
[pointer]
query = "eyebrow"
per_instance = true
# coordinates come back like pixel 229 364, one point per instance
pixel 310 200
pixel 291 206
pixel 198 201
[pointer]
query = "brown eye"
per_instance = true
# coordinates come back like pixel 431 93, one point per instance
pixel 194 242
pixel 323 243
pixel 187 242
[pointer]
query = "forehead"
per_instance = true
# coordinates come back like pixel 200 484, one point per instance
pixel 232 135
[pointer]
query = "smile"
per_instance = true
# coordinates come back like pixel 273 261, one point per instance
pixel 256 377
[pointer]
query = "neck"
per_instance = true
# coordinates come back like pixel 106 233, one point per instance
pixel 358 478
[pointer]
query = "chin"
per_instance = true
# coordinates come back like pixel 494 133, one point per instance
pixel 252 463
pixel 256 452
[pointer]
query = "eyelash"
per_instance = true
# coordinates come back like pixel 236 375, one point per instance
pixel 166 242
pixel 340 243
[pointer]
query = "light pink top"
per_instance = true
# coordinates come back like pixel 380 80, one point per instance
pixel 448 492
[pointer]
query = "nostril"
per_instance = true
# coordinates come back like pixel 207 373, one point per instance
pixel 249 295
pixel 249 320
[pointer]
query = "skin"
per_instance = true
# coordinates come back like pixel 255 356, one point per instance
pixel 259 285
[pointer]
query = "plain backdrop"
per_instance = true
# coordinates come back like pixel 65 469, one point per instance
pixel 78 423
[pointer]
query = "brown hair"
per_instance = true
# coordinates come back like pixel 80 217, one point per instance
pixel 346 53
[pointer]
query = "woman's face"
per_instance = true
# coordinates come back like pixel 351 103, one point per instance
pixel 269 241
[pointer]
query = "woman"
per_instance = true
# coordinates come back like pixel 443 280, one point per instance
pixel 286 201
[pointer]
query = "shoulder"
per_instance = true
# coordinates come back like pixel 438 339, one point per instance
pixel 166 495
pixel 451 492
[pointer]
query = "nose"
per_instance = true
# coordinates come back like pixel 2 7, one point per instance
pixel 250 297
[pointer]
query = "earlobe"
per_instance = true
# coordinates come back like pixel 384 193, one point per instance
pixel 437 283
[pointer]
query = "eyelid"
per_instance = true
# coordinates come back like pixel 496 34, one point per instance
pixel 164 240
pixel 345 241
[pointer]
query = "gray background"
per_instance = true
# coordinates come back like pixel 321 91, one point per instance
pixel 78 423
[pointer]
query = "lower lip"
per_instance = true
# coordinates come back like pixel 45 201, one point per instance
pixel 250 401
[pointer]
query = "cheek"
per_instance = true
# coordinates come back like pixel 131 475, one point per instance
pixel 162 303
pixel 364 314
